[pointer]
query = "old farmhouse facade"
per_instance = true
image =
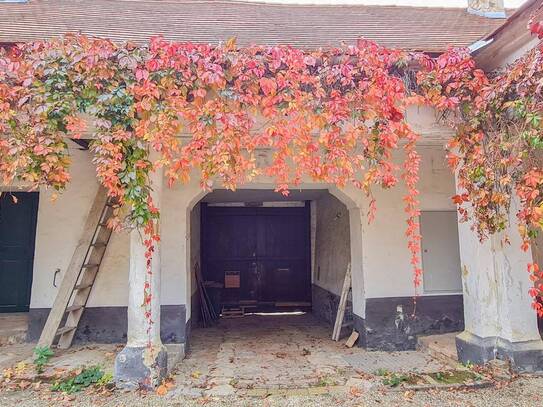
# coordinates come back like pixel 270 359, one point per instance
pixel 256 248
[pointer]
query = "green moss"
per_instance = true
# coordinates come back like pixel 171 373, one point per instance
pixel 454 376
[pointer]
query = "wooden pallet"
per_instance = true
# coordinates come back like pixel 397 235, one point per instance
pixel 233 312
pixel 79 278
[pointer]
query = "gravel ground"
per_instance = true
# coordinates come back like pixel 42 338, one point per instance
pixel 525 392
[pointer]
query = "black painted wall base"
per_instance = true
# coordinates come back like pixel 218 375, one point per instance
pixel 109 324
pixel 524 356
pixel 325 305
pixel 359 325
pixel 187 336
pixel 390 324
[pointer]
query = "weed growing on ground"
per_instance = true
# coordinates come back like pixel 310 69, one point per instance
pixel 468 365
pixel 43 354
pixel 381 372
pixel 88 376
pixel 394 379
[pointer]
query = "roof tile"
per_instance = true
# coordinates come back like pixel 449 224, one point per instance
pixel 208 21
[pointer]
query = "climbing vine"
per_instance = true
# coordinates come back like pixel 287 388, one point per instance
pixel 497 152
pixel 334 116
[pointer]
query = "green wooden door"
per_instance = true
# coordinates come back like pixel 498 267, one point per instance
pixel 17 236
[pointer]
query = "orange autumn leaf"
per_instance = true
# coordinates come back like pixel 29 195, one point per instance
pixel 161 390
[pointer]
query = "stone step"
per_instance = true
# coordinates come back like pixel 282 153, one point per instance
pixel 442 347
pixel 13 327
pixel 12 336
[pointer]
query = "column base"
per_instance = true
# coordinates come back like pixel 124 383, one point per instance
pixel 524 356
pixel 140 367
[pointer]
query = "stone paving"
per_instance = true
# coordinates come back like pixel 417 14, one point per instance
pixel 402 362
pixel 253 355
pixel 279 352
pixel 272 361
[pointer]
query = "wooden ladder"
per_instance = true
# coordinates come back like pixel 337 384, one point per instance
pixel 338 326
pixel 79 278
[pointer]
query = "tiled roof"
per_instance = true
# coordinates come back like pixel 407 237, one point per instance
pixel 307 26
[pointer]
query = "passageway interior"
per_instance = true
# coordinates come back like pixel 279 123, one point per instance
pixel 256 252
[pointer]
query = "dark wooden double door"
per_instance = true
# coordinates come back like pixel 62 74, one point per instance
pixel 18 214
pixel 268 246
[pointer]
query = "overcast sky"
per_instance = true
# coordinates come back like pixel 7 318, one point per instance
pixel 438 3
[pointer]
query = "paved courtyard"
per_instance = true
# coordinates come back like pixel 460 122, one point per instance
pixel 280 351
pixel 273 360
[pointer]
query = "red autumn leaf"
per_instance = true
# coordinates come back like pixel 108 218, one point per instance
pixel 268 86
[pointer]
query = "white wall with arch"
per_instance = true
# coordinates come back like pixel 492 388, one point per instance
pixel 379 255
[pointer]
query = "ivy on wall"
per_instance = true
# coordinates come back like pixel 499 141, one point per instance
pixel 335 116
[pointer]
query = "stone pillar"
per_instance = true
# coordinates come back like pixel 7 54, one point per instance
pixel 143 361
pixel 499 320
pixel 359 300
pixel 358 292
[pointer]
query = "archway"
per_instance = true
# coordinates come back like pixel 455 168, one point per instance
pixel 250 245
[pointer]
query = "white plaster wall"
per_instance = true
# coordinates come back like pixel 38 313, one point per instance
pixel 332 244
pixel 386 259
pixel 174 228
pixel 380 264
pixel 60 224
pixel 111 285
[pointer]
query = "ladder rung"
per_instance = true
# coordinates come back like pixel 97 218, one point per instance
pixel 103 224
pixel 99 244
pixel 82 286
pixel 347 324
pixel 65 329
pixel 90 265
pixel 74 308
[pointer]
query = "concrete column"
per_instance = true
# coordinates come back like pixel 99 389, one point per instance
pixel 143 361
pixel 499 320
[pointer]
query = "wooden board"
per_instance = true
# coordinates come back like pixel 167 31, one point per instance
pixel 352 339
pixel 293 304
pixel 342 304
pixel 232 279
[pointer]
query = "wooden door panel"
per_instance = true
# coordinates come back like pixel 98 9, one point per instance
pixel 285 281
pixel 440 252
pixel 231 237
pixel 17 238
pixel 282 236
pixel 268 246
pixel 249 284
pixel 11 283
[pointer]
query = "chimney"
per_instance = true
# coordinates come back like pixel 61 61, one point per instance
pixel 487 8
